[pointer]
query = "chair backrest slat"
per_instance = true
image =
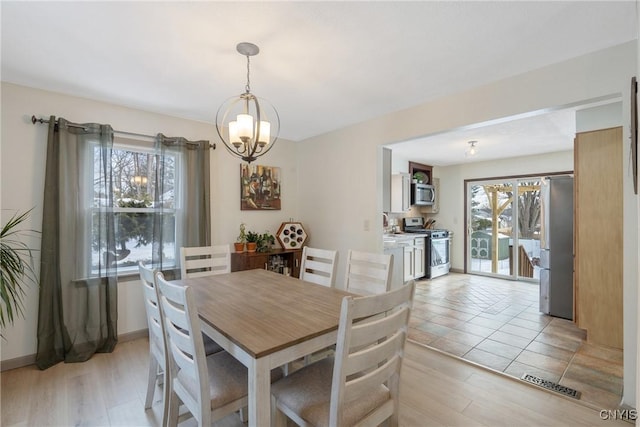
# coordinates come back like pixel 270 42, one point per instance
pixel 202 261
pixel 319 266
pixel 368 273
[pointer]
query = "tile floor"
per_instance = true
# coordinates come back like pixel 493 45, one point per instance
pixel 496 323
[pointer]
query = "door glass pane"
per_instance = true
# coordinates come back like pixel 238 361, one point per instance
pixel 490 231
pixel 529 215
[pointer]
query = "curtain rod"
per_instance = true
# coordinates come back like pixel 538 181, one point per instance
pixel 35 120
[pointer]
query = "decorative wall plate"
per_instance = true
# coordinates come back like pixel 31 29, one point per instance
pixel 291 235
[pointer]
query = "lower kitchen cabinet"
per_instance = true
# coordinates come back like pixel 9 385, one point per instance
pixel 419 257
pixel 414 258
pixel 275 260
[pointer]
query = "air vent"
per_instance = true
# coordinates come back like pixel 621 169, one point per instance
pixel 550 385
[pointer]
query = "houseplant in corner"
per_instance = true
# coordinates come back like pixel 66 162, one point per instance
pixel 16 267
pixel 242 238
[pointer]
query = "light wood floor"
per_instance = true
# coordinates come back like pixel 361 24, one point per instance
pixel 436 390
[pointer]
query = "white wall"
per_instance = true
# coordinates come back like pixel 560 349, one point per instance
pixel 351 196
pixel 23 148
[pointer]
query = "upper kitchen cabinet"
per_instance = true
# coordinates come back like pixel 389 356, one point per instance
pixel 396 188
pixel 421 173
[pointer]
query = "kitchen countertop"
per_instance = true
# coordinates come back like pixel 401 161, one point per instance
pixel 391 240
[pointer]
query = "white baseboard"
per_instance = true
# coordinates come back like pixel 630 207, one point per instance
pixel 30 359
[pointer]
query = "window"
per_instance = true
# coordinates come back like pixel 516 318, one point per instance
pixel 145 190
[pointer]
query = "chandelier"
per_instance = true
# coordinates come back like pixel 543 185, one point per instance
pixel 247 125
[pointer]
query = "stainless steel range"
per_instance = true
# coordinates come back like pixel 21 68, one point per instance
pixel 438 247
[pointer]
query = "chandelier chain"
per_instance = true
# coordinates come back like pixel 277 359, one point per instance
pixel 247 88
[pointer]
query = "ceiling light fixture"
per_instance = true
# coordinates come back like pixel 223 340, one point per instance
pixel 247 125
pixel 472 150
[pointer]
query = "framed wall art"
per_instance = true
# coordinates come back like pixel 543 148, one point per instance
pixel 260 187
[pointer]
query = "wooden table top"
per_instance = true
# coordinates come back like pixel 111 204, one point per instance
pixel 262 311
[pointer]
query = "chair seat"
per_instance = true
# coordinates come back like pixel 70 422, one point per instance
pixel 228 380
pixel 307 392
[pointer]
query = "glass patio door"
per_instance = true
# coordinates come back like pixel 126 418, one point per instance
pixel 503 241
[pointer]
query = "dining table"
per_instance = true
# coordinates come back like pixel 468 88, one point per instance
pixel 266 320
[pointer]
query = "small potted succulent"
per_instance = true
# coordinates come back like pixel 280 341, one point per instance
pixel 242 238
pixel 252 241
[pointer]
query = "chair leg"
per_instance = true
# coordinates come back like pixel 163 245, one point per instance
pixel 278 418
pixel 151 382
pixel 166 392
pixel 173 410
pixel 244 414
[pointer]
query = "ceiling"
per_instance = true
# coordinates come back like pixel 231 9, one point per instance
pixel 324 65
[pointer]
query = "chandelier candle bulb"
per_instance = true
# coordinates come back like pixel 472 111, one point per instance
pixel 265 131
pixel 234 138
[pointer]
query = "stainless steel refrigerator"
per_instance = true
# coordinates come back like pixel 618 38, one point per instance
pixel 556 246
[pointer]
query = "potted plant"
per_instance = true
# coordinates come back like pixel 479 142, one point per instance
pixel 242 238
pixel 265 241
pixel 252 241
pixel 16 266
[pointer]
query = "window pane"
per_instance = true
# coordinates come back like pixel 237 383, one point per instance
pixel 134 241
pixel 136 194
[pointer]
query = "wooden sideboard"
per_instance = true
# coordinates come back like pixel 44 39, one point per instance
pixel 268 260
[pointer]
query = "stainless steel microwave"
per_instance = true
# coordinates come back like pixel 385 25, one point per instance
pixel 423 194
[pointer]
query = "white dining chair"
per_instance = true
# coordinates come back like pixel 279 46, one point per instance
pixel 157 349
pixel 319 266
pixel 360 384
pixel 210 387
pixel 368 273
pixel 199 261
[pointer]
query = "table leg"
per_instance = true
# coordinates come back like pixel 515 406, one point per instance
pixel 259 393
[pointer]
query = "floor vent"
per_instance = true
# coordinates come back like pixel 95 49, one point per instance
pixel 550 385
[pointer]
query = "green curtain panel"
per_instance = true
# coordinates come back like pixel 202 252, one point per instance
pixel 190 202
pixel 77 313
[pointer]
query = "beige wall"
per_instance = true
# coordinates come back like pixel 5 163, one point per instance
pixel 23 150
pixel 352 157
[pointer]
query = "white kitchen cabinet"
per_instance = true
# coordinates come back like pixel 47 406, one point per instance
pixel 400 192
pixel 386 180
pixel 419 257
pixel 408 262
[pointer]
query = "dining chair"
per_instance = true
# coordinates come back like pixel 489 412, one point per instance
pixel 360 385
pixel 319 266
pixel 368 273
pixel 201 261
pixel 210 387
pixel 157 349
